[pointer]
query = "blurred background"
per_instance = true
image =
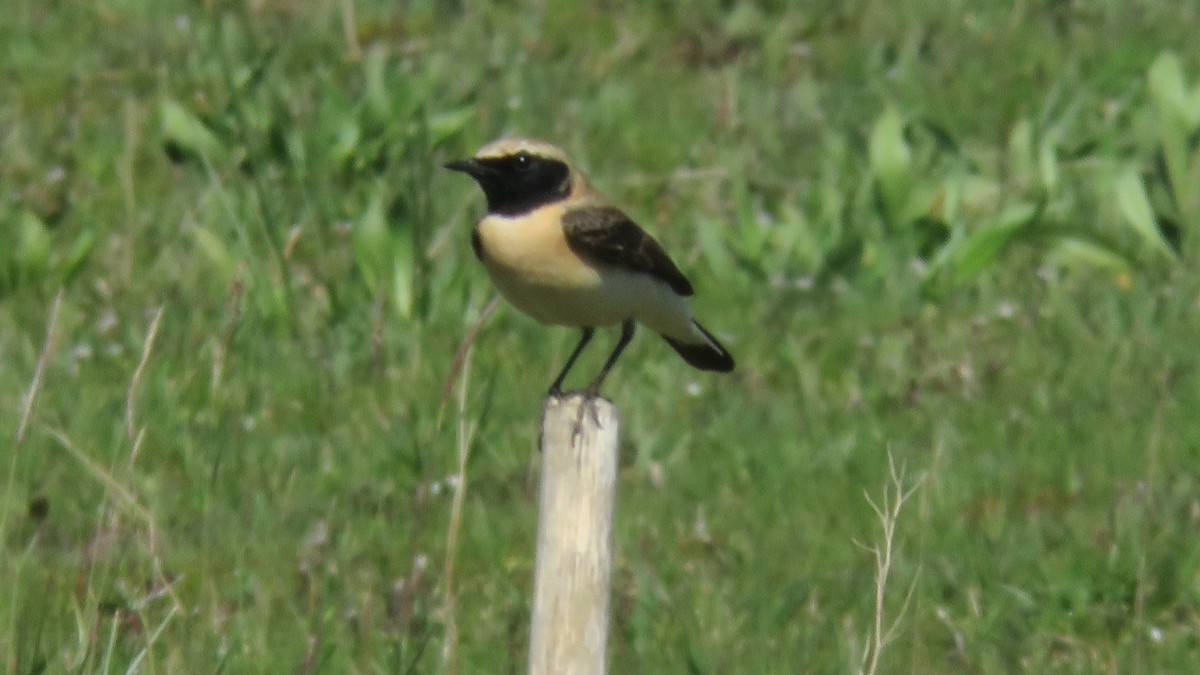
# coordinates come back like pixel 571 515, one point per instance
pixel 253 422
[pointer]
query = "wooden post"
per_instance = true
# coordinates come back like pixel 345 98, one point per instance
pixel 573 574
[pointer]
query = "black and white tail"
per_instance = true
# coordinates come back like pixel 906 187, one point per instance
pixel 707 355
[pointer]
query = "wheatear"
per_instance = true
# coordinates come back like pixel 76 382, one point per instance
pixel 562 254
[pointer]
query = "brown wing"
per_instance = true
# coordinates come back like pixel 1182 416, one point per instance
pixel 606 235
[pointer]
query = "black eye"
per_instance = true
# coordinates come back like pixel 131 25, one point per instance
pixel 523 161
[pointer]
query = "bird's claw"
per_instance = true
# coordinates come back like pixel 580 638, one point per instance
pixel 587 403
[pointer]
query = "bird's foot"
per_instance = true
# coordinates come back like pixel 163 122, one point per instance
pixel 587 403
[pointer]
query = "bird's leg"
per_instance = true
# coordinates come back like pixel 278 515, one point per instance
pixel 556 388
pixel 593 390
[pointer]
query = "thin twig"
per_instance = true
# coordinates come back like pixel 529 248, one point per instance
pixel 466 433
pixel 35 386
pixel 460 354
pixel 135 384
pixel 888 513
pixel 137 660
pixel 136 436
pixel 130 501
pixel 104 477
pixel 43 359
pixel 233 311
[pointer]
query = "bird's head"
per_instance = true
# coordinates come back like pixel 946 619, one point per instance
pixel 519 174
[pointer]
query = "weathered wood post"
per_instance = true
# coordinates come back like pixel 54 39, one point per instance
pixel 573 574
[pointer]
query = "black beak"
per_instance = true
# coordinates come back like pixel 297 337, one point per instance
pixel 472 167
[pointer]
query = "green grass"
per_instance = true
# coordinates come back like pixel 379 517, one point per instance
pixel 971 285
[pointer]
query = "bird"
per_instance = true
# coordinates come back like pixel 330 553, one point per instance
pixel 563 254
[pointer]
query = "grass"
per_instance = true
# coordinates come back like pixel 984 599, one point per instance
pixel 952 234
